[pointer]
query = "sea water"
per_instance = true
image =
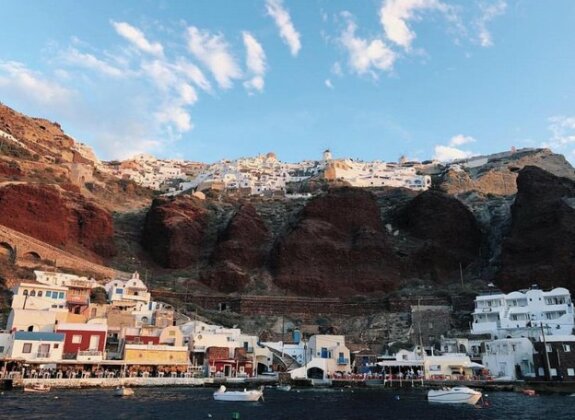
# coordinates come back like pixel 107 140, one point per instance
pixel 297 404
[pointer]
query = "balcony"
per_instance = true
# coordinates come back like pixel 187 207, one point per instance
pixel 342 361
pixel 89 356
pixel 42 355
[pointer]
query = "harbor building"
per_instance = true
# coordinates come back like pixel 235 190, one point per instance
pixel 523 313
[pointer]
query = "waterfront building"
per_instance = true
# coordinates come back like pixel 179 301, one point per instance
pixel 150 354
pixel 84 342
pixel 523 313
pixel 36 347
pixel 325 356
pixel 559 352
pixel 509 358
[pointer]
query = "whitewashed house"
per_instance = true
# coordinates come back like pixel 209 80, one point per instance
pixel 509 358
pixel 522 313
pixel 38 347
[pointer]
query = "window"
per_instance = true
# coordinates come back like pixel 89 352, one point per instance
pixel 27 348
pixel 76 339
pixel 553 372
pixel 61 295
pixel 25 292
pixel 1 349
pixel 431 325
pixel 540 372
pixel 566 348
pixel 33 293
pixel 56 346
pixel 39 293
pixel 570 372
pixel 548 348
pixel 48 293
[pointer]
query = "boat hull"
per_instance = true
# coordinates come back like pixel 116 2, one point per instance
pixel 223 395
pixel 463 396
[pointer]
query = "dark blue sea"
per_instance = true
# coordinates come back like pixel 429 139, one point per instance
pixel 198 403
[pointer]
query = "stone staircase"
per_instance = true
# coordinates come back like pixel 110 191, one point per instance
pixel 286 360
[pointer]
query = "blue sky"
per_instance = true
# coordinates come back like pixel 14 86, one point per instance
pixel 370 79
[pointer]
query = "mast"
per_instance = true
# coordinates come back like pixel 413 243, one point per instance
pixel 547 364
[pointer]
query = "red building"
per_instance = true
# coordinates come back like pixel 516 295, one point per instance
pixel 83 338
pixel 220 362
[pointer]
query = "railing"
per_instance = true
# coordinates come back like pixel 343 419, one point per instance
pixel 342 361
pixel 42 355
pixel 90 353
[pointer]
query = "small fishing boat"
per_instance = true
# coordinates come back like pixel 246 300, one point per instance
pixel 36 388
pixel 284 387
pixel 455 395
pixel 123 391
pixel 222 395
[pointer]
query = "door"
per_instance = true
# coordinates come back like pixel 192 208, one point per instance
pixel 94 342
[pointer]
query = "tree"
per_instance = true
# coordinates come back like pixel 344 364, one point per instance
pixel 98 295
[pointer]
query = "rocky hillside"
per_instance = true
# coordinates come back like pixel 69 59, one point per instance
pixel 540 245
pixel 350 241
pixel 58 217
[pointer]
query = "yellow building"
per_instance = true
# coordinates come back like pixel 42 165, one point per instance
pixel 143 354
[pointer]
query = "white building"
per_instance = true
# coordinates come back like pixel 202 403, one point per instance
pixel 133 290
pixel 39 296
pixel 325 356
pixel 505 356
pixel 38 347
pixel 521 314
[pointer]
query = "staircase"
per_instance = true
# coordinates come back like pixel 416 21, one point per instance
pixel 286 360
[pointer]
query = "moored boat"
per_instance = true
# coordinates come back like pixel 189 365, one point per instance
pixel 36 388
pixel 223 395
pixel 455 395
pixel 284 387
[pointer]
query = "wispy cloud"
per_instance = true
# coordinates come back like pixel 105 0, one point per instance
pixel 283 21
pixel 488 13
pixel 18 80
pixel 365 56
pixel 562 133
pixel 460 140
pixel 395 16
pixel 328 84
pixel 137 38
pixel 255 62
pixel 213 52
pixel 192 73
pixel 89 61
pixel 452 150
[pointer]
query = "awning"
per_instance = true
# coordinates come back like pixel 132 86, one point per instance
pixel 400 363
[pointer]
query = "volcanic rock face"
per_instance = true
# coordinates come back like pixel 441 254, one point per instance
pixel 241 248
pixel 447 234
pixel 540 247
pixel 338 245
pixel 498 174
pixel 60 218
pixel 174 230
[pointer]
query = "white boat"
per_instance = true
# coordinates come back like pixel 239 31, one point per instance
pixel 285 387
pixel 122 391
pixel 222 395
pixel 36 388
pixel 455 395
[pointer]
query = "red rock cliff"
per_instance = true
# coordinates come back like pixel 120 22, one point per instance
pixel 60 218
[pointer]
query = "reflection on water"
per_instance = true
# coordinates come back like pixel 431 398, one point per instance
pixel 317 404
